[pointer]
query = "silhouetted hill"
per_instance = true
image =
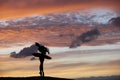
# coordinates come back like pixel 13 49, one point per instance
pixel 101 78
pixel 55 78
pixel 32 78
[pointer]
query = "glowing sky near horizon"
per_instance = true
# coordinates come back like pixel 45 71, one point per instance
pixel 77 64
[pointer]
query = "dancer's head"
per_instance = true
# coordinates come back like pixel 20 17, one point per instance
pixel 37 44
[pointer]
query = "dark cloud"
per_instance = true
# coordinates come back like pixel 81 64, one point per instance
pixel 27 51
pixel 115 22
pixel 85 37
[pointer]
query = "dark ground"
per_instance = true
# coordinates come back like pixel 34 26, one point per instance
pixel 101 78
pixel 32 78
pixel 54 78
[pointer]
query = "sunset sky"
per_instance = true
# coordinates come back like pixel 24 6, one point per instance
pixel 98 58
pixel 72 64
pixel 19 8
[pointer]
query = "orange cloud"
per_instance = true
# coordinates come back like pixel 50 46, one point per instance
pixel 18 8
